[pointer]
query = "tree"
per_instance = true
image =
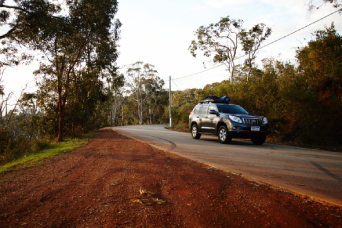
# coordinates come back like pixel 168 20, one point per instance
pixel 5 121
pixel 23 21
pixel 29 114
pixel 251 41
pixel 311 6
pixel 219 40
pixel 158 98
pixel 117 100
pixel 223 38
pixel 30 17
pixel 141 80
pixel 320 63
pixel 84 39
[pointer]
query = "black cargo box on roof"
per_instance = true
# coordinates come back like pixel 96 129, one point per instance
pixel 215 99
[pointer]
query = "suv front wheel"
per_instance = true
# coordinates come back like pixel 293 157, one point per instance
pixel 223 135
pixel 194 132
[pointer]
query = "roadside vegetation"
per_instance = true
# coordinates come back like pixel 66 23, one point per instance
pixel 45 150
pixel 75 44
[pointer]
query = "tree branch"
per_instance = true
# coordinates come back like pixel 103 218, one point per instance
pixel 8 33
pixel 12 7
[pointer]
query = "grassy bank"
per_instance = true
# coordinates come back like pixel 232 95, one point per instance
pixel 53 150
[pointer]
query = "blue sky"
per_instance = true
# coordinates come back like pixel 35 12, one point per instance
pixel 159 32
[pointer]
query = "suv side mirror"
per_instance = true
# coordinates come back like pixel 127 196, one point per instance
pixel 212 112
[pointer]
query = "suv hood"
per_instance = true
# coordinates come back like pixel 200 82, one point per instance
pixel 241 115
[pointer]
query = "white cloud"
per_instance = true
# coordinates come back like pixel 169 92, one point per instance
pixel 198 7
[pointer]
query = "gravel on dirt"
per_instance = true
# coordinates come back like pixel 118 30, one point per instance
pixel 116 181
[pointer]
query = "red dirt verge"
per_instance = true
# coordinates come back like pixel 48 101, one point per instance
pixel 115 181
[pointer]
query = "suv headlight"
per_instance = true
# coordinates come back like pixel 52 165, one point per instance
pixel 264 120
pixel 235 119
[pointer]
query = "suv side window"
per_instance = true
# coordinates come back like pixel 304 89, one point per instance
pixel 213 107
pixel 196 109
pixel 203 109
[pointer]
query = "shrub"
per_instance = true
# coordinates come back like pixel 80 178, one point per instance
pixel 41 144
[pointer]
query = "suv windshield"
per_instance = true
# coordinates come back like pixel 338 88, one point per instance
pixel 231 109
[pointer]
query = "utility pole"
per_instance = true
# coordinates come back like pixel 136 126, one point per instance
pixel 122 115
pixel 150 113
pixel 170 95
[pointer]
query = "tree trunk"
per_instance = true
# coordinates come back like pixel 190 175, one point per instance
pixel 249 70
pixel 114 114
pixel 140 108
pixel 232 74
pixel 140 113
pixel 61 122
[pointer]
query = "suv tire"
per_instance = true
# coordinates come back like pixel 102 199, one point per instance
pixel 223 135
pixel 259 140
pixel 194 132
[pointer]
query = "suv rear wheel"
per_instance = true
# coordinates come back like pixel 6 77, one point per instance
pixel 194 132
pixel 259 140
pixel 223 135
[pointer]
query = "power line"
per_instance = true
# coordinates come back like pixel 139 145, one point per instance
pixel 199 72
pixel 175 84
pixel 301 28
pixel 262 46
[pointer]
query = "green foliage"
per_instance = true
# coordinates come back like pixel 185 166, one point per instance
pixel 41 144
pixel 221 41
pixel 79 44
pixel 251 41
pixel 22 21
pixel 12 146
pixel 320 62
pixel 80 47
pixel 34 159
pixel 144 87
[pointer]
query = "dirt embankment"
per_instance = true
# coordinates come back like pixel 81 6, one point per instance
pixel 115 181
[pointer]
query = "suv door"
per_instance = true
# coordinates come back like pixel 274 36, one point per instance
pixel 211 119
pixel 202 117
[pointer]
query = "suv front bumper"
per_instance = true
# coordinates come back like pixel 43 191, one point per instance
pixel 244 131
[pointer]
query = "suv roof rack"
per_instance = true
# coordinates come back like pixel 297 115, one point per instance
pixel 215 99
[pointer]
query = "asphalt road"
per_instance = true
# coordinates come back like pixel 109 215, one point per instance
pixel 315 173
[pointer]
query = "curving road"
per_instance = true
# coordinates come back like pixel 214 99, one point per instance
pixel 311 172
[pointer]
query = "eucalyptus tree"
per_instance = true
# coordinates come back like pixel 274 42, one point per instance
pixel 22 20
pixel 29 114
pixel 84 39
pixel 251 41
pixel 115 92
pixel 142 81
pixel 219 40
pixel 320 64
pixel 158 99
pixel 26 17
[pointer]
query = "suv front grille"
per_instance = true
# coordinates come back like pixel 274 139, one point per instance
pixel 252 121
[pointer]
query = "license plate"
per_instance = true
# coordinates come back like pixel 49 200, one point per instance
pixel 255 128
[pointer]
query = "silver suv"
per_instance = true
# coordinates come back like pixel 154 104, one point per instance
pixel 227 121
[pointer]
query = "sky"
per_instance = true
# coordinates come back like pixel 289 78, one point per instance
pixel 159 32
